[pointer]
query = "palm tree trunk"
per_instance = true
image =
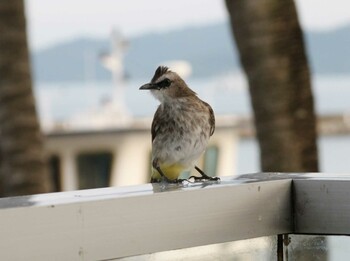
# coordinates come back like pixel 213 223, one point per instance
pixel 271 47
pixel 270 43
pixel 23 167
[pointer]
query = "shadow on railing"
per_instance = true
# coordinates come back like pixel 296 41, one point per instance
pixel 112 223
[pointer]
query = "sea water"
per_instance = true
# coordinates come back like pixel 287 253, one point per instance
pixel 227 94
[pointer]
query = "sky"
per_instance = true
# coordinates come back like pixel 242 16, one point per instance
pixel 55 21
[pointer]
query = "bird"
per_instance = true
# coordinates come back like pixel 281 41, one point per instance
pixel 181 127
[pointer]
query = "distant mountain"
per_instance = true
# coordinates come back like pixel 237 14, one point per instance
pixel 329 52
pixel 209 49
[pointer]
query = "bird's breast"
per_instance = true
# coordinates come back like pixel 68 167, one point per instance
pixel 182 134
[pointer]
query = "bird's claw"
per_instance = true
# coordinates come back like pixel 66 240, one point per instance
pixel 203 178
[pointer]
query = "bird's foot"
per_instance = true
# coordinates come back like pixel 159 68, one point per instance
pixel 203 178
pixel 170 181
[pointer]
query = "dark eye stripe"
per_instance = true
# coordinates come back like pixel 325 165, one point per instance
pixel 164 84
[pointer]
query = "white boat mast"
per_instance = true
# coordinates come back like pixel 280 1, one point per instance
pixel 114 62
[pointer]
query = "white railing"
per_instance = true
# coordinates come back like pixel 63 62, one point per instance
pixel 110 223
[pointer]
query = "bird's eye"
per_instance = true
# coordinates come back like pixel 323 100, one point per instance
pixel 165 83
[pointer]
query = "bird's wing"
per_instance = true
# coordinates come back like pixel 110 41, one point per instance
pixel 155 123
pixel 211 118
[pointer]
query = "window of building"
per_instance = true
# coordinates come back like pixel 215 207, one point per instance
pixel 211 160
pixel 94 169
pixel 55 172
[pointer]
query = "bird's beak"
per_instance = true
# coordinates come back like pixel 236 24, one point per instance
pixel 148 86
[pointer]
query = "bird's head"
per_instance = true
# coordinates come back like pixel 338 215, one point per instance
pixel 167 85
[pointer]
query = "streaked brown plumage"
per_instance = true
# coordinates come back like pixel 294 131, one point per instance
pixel 181 126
